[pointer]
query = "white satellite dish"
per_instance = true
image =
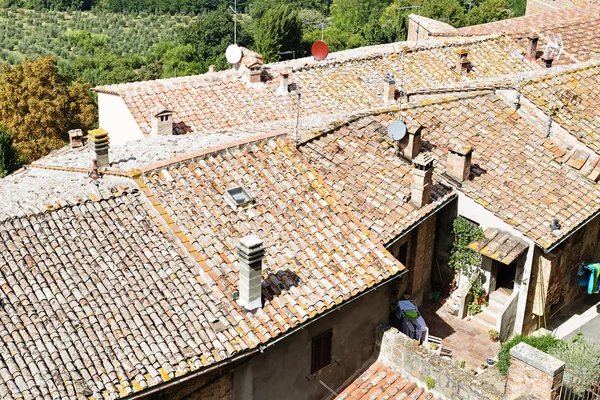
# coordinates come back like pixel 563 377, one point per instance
pixel 397 130
pixel 233 54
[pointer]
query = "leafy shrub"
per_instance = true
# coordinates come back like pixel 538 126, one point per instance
pixel 582 357
pixel 9 156
pixel 462 257
pixel 545 343
pixel 474 308
pixel 430 382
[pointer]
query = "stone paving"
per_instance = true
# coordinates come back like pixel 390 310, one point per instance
pixel 468 340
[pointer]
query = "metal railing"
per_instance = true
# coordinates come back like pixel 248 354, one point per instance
pixel 575 387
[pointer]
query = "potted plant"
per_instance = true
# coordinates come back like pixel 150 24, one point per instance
pixel 494 335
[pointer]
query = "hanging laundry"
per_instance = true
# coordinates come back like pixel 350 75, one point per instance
pixel 589 275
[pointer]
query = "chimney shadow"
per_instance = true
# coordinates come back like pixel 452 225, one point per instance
pixel 181 128
pixel 279 281
pixel 477 170
pixel 124 160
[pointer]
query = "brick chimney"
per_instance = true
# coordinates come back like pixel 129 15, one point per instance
pixel 99 145
pixel 462 61
pixel 410 144
pixel 532 43
pixel 250 251
pixel 76 138
pixel 162 121
pixel 283 89
pixel 250 66
pixel 458 165
pixel 422 174
pixel 389 89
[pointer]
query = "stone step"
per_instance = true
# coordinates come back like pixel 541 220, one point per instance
pixel 494 306
pixel 486 318
pixel 500 296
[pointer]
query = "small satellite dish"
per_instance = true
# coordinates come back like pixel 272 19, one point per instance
pixel 233 54
pixel 319 50
pixel 397 130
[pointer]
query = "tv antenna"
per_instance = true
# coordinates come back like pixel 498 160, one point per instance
pixel 296 93
pixel 418 7
pixel 553 50
pixel 234 10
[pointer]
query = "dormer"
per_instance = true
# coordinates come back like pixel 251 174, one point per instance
pixel 162 121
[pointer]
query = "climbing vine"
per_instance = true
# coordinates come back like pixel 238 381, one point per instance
pixel 462 258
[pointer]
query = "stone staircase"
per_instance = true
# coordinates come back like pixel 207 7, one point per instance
pixel 489 315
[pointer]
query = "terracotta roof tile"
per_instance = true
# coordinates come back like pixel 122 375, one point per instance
pixel 360 164
pixel 220 100
pixel 382 383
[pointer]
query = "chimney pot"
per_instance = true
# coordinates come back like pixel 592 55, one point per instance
pixel 458 165
pixel 389 89
pixel 99 145
pixel 76 138
pixel 162 121
pixel 211 68
pixel 422 178
pixel 462 61
pixel 532 43
pixel 410 144
pixel 95 173
pixel 250 251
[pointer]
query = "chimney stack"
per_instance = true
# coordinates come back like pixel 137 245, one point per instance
pixel 458 165
pixel 250 251
pixel 76 138
pixel 99 144
pixel 422 177
pixel 462 61
pixel 389 89
pixel 211 68
pixel 162 121
pixel 283 88
pixel 532 43
pixel 410 144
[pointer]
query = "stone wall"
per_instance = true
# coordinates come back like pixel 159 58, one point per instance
pixel 405 356
pixel 534 373
pixel 553 279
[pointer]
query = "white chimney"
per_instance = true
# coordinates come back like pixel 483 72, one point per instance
pixel 458 165
pixel 162 121
pixel 283 89
pixel 422 179
pixel 99 145
pixel 250 251
pixel 410 144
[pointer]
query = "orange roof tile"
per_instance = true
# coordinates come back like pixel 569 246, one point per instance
pixel 221 100
pixel 382 383
pixel 360 164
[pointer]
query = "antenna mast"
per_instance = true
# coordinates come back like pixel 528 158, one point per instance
pixel 234 10
pixel 555 45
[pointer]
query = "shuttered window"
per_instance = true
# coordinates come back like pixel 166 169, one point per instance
pixel 321 351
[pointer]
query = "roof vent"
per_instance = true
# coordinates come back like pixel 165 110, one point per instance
pixel 162 121
pixel 76 138
pixel 99 145
pixel 555 225
pixel 238 197
pixel 389 88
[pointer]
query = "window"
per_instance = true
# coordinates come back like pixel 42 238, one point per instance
pixel 238 197
pixel 403 253
pixel 321 351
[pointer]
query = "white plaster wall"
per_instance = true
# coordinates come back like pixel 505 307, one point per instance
pixel 474 211
pixel 117 120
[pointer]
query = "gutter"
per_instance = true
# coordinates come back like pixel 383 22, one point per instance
pixel 556 244
pixel 260 349
pixel 432 212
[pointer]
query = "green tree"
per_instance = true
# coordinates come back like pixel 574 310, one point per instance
pixel 278 30
pixel 352 15
pixel 9 156
pixel 39 106
pixel 489 11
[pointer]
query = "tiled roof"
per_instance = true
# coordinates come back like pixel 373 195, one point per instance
pixel 382 383
pixel 516 173
pixel 499 245
pixel 360 164
pixel 540 22
pixel 575 102
pixel 97 301
pixel 222 99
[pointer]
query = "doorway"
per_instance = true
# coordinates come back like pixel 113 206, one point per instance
pixel 505 275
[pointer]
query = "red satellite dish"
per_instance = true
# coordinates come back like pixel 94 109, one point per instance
pixel 319 50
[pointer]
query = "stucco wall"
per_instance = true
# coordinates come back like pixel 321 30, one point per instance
pixel 117 120
pixel 283 370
